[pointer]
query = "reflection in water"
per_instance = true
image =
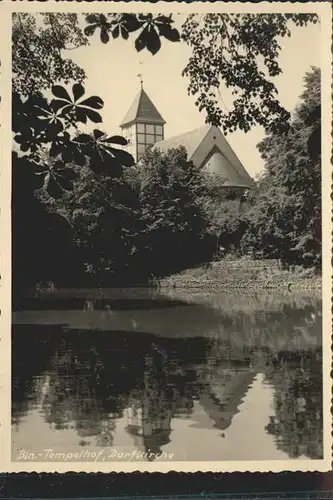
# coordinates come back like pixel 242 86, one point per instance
pixel 151 393
pixel 297 420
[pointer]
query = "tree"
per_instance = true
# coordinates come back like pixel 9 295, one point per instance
pixel 42 243
pixel 42 41
pixel 122 226
pixel 242 51
pixel 224 209
pixel 103 213
pixel 48 141
pixel 172 211
pixel 38 59
pixel 285 221
pixel 50 148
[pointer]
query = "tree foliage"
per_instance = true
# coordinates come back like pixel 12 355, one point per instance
pixel 38 57
pixel 172 195
pixel 47 130
pixel 41 239
pixel 285 221
pixel 151 28
pixel 122 226
pixel 41 43
pixel 227 224
pixel 242 52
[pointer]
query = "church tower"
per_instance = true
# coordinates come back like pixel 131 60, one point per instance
pixel 142 126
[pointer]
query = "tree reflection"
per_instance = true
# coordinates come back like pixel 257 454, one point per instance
pixel 284 345
pixel 87 381
pixel 78 395
pixel 88 386
pixel 298 404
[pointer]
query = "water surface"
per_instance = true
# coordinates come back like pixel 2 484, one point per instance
pixel 211 377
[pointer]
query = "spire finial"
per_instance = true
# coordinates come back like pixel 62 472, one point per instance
pixel 141 79
pixel 140 75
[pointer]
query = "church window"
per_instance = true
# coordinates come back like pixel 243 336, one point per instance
pixel 141 127
pixel 159 130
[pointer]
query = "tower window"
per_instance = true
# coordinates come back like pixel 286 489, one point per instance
pixel 150 129
pixel 150 139
pixel 147 135
pixel 146 128
pixel 141 148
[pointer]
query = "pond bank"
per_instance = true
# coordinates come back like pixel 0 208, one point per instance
pixel 240 275
pixel 243 274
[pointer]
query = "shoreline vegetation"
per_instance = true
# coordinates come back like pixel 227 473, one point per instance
pixel 241 275
pixel 245 274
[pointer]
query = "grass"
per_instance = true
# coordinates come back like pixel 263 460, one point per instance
pixel 244 273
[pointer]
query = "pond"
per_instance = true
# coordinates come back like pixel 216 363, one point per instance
pixel 144 376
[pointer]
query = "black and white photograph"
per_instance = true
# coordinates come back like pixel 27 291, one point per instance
pixel 169 306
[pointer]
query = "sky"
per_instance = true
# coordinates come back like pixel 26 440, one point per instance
pixel 112 73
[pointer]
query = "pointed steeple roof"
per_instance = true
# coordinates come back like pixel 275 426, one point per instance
pixel 142 110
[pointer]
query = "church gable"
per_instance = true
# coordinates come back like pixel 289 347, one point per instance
pixel 216 156
pixel 217 164
pixel 208 148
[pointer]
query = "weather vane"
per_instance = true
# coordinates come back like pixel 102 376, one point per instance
pixel 140 75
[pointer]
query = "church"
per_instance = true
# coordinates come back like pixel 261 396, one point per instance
pixel 143 126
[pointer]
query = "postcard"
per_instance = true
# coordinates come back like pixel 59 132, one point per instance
pixel 166 236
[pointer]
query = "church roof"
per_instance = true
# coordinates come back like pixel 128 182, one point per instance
pixel 201 144
pixel 142 110
pixel 190 141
